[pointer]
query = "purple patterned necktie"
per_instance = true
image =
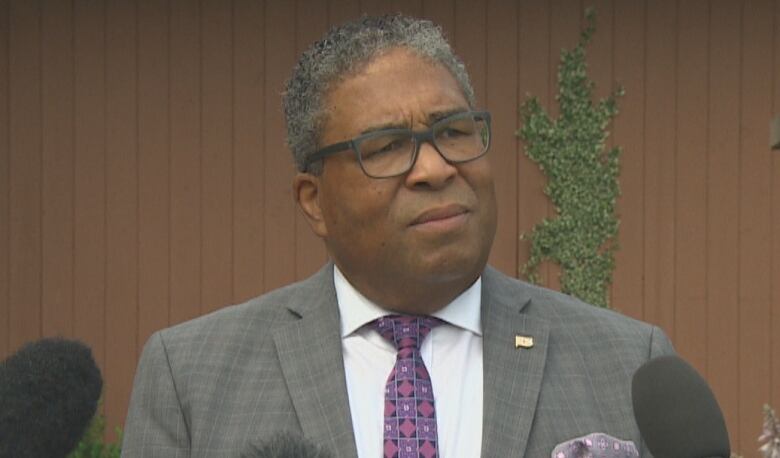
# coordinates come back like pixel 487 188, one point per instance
pixel 410 417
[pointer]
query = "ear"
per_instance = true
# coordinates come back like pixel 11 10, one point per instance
pixel 306 189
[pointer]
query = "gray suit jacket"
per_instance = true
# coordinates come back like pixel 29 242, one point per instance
pixel 209 387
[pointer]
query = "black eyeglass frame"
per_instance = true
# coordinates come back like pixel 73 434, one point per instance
pixel 419 138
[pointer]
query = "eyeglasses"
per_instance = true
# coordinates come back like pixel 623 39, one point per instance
pixel 459 138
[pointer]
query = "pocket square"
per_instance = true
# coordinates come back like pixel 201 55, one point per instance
pixel 595 445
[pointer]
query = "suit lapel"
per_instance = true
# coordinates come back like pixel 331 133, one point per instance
pixel 512 376
pixel 310 353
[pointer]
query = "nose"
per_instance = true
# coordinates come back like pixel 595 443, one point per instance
pixel 430 169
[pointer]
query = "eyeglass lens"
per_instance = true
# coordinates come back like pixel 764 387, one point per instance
pixel 458 139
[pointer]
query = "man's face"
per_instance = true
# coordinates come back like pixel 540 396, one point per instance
pixel 414 242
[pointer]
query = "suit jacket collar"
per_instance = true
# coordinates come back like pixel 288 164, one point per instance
pixel 310 352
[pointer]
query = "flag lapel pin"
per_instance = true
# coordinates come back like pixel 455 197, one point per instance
pixel 524 341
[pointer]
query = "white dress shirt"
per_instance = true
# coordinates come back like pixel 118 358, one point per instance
pixel 452 352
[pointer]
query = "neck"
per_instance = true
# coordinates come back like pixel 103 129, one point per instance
pixel 408 296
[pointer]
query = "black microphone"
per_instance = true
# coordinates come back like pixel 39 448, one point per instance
pixel 49 392
pixel 286 445
pixel 676 411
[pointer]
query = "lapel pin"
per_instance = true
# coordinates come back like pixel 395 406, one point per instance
pixel 524 341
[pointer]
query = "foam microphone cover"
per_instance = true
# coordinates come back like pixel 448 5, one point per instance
pixel 676 412
pixel 49 392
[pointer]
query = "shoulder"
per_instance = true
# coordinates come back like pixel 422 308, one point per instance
pixel 225 363
pixel 567 315
pixel 246 325
pixel 546 303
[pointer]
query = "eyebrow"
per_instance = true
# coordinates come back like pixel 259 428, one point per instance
pixel 386 126
pixel 432 118
pixel 439 115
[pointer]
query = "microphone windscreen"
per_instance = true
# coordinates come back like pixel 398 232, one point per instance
pixel 49 392
pixel 676 412
pixel 286 445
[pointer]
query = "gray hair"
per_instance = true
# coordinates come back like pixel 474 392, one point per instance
pixel 342 52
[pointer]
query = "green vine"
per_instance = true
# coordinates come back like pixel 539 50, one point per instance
pixel 582 179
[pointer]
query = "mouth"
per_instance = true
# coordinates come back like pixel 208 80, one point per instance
pixel 441 218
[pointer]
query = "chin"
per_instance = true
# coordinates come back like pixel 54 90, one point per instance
pixel 451 268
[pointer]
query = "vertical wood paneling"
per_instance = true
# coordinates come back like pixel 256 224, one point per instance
pixel 723 209
pixel 775 324
pixel 25 166
pixel 311 24
pixel 754 216
pixel 565 22
pixel 442 13
pixel 601 50
pixel 376 7
pixel 185 151
pixel 534 67
pixel 248 160
pixel 690 260
pixel 628 280
pixel 121 205
pixel 217 154
pixel 279 205
pixel 89 247
pixel 501 91
pixel 153 170
pixel 126 186
pixel 5 180
pixel 57 167
pixel 659 148
pixel 340 11
pixel 410 7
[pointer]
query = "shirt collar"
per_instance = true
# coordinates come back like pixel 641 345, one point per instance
pixel 356 310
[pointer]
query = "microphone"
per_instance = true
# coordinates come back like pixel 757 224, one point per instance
pixel 676 412
pixel 49 392
pixel 286 445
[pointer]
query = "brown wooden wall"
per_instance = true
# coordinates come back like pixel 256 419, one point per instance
pixel 144 178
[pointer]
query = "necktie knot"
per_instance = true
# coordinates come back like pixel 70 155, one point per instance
pixel 406 331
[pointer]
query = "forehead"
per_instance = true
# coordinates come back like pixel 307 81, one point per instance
pixel 397 88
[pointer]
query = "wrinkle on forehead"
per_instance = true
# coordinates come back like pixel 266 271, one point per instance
pixel 405 103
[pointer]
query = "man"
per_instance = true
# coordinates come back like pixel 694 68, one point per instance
pixel 406 344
